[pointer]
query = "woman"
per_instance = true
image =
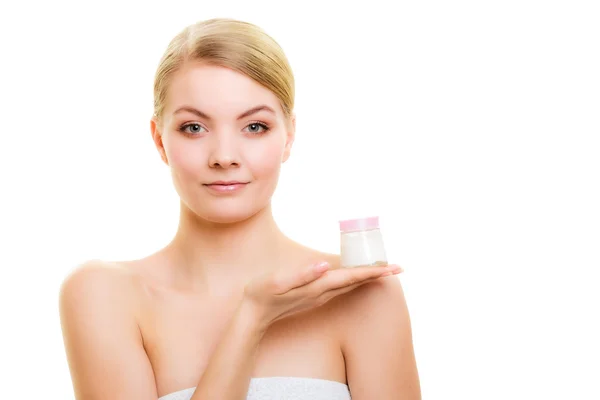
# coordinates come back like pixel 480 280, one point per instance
pixel 231 308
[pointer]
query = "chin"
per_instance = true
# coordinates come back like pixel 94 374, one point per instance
pixel 224 214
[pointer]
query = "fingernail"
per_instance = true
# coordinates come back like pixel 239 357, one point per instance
pixel 322 266
pixel 386 274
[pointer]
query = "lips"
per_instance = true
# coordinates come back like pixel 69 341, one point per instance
pixel 226 183
pixel 226 186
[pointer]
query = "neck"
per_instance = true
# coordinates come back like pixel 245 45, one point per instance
pixel 227 255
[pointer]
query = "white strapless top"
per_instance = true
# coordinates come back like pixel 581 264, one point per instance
pixel 282 388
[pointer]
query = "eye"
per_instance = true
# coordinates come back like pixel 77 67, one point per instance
pixel 255 128
pixel 193 128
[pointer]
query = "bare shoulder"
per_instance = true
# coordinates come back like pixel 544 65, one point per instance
pixel 101 335
pixel 384 294
pixel 96 268
pixel 101 286
pixel 98 278
pixel 376 340
pixel 382 297
pixel 374 330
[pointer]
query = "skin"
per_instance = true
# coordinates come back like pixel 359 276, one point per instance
pixel 167 313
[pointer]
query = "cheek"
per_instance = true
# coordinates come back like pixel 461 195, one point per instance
pixel 265 159
pixel 184 158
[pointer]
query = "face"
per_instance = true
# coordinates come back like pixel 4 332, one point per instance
pixel 224 136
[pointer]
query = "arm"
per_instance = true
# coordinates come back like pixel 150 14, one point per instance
pixel 377 343
pixel 102 340
pixel 228 373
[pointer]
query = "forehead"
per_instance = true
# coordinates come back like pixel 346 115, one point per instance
pixel 218 91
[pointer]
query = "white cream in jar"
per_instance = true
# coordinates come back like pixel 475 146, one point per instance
pixel 361 243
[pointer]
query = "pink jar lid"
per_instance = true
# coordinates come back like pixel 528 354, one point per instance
pixel 360 224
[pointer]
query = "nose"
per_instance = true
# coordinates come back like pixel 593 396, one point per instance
pixel 224 152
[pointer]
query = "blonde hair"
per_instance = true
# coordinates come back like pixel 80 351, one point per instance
pixel 234 44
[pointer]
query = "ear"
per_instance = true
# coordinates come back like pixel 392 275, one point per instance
pixel 291 135
pixel 155 129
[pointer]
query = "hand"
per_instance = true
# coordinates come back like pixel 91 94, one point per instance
pixel 277 295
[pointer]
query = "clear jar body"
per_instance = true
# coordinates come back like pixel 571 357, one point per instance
pixel 362 248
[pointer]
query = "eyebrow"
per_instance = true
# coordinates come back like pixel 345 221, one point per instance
pixel 201 114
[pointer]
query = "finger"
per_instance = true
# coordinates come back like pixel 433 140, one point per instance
pixel 301 278
pixel 344 277
pixel 330 294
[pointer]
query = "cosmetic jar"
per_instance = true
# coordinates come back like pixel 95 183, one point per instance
pixel 361 243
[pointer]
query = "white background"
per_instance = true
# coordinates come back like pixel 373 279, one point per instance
pixel 470 127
